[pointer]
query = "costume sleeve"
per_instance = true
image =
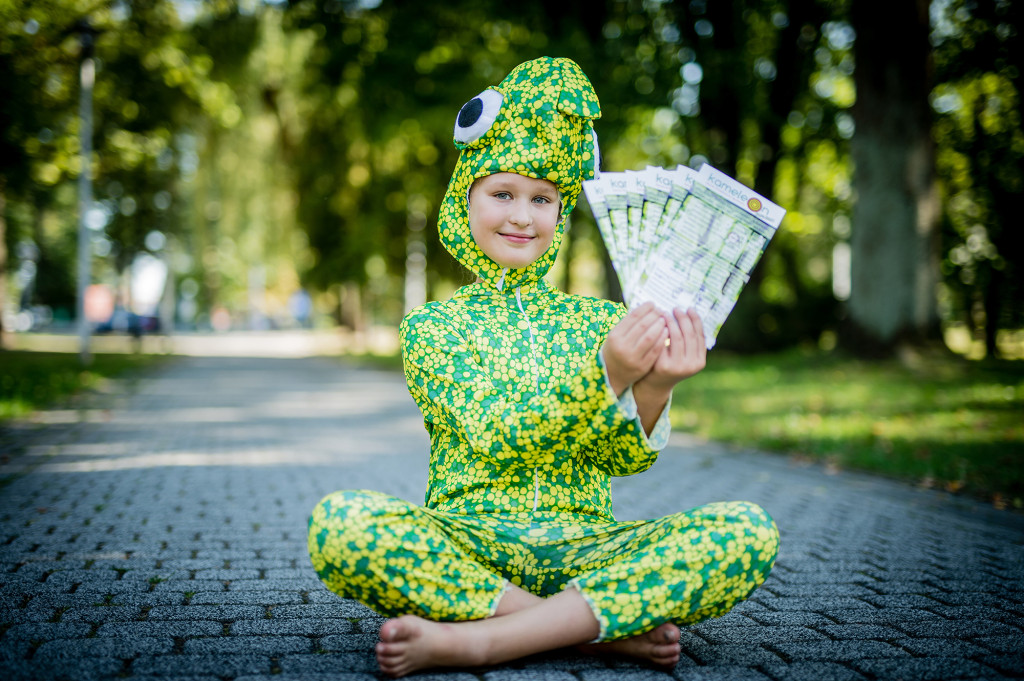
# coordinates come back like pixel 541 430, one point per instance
pixel 658 439
pixel 454 391
pixel 627 450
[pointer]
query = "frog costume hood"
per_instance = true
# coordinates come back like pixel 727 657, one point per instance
pixel 537 122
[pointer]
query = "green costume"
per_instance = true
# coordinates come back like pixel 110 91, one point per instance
pixel 525 433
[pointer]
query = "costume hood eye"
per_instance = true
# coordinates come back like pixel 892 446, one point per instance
pixel 477 116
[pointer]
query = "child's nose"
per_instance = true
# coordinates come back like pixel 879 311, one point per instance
pixel 520 214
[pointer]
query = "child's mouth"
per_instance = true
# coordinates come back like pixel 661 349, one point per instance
pixel 516 238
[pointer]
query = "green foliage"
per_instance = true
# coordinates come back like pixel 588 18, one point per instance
pixel 304 143
pixel 35 380
pixel 979 56
pixel 937 421
pixel 152 78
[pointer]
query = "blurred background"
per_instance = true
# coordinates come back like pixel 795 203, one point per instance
pixel 273 170
pixel 263 165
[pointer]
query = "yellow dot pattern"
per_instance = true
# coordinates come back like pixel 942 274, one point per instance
pixel 399 558
pixel 515 401
pixel 524 433
pixel 544 129
pixel 524 440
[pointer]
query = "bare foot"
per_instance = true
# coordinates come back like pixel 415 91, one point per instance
pixel 410 643
pixel 659 646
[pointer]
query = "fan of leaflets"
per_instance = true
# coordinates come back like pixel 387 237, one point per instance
pixel 682 238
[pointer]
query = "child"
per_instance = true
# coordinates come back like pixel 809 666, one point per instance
pixel 533 399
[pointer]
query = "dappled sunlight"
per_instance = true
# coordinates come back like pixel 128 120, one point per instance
pixel 352 452
pixel 936 420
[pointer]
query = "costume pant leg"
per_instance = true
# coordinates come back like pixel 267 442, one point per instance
pixel 395 558
pixel 683 568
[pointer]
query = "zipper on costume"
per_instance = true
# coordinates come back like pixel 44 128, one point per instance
pixel 533 347
pixel 536 384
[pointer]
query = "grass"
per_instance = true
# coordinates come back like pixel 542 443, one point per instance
pixel 938 421
pixel 34 380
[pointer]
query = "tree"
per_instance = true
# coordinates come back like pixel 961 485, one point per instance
pixel 895 219
pixel 979 53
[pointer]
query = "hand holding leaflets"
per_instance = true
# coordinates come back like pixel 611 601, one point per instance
pixel 682 238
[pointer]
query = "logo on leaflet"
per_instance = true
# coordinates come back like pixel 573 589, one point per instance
pixel 754 204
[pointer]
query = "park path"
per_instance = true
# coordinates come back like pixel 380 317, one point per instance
pixel 157 531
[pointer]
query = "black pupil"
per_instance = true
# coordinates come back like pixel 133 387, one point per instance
pixel 470 113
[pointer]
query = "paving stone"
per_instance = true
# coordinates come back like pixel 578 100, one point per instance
pixel 349 643
pixel 44 613
pixel 569 661
pixel 102 587
pixel 791 619
pixel 239 645
pixel 930 669
pixel 819 604
pixel 327 663
pixel 286 627
pixel 160 629
pixel 527 675
pixel 42 631
pixel 62 669
pixel 892 616
pixel 190 677
pixel 300 572
pixel 622 675
pixel 958 629
pixel 107 613
pixel 138 600
pixel 340 676
pixel 720 673
pixel 1013 643
pixel 247 598
pixel 968 599
pixel 812 671
pixel 124 648
pixel 221 666
pixel 320 595
pixel 1011 665
pixel 837 651
pixel 753 636
pixel 181 586
pixel 855 632
pixel 219 613
pixel 14 651
pixel 736 654
pixel 286 585
pixel 895 588
pixel 226 574
pixel 940 647
pixel 341 609
pixel 905 601
pixel 821 589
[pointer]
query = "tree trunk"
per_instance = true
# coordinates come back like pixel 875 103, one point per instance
pixel 895 219
pixel 3 262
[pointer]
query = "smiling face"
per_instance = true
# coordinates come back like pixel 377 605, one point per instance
pixel 513 217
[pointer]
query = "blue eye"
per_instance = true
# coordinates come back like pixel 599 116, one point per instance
pixel 477 116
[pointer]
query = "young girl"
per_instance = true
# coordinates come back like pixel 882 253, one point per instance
pixel 533 399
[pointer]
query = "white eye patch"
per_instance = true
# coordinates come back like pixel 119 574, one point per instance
pixel 477 116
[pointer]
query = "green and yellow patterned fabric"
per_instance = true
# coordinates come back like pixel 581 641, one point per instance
pixel 537 122
pixel 507 372
pixel 399 559
pixel 514 398
pixel 525 434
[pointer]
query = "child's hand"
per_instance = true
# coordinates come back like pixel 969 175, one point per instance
pixel 634 345
pixel 684 356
